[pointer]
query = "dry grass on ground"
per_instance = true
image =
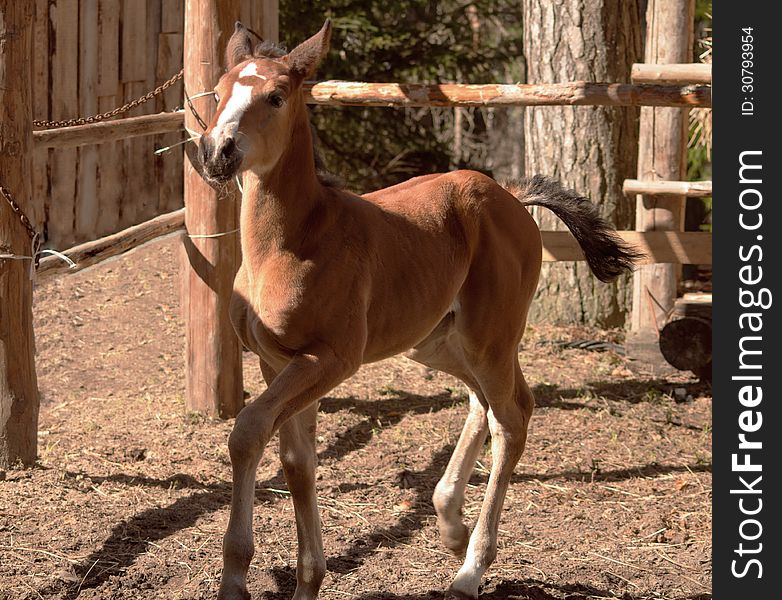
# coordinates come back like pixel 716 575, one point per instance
pixel 130 499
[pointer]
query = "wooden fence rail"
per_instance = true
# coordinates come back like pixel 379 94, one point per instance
pixel 656 246
pixel 355 93
pixel 109 131
pixel 679 74
pixel 91 253
pixel 682 247
pixel 691 189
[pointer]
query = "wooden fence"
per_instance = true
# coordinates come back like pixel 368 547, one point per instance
pixel 90 56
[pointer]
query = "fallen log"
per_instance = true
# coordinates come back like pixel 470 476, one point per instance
pixel 686 337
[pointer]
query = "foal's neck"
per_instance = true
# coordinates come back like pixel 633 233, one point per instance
pixel 276 206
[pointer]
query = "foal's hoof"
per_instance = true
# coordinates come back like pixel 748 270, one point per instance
pixel 464 587
pixel 234 594
pixel 454 594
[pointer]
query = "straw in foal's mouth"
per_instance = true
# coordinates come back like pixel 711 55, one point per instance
pixel 199 95
pixel 194 134
pixel 160 151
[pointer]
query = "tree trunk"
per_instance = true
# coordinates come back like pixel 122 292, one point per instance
pixel 589 149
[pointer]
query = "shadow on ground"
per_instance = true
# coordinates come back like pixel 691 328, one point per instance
pixel 131 537
pixel 631 392
pixel 505 590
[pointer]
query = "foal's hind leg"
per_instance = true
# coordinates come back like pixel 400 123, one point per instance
pixel 448 496
pixel 510 408
pixel 442 350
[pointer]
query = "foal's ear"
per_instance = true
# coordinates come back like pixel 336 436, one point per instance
pixel 305 58
pixel 239 47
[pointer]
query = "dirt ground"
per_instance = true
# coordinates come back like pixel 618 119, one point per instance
pixel 130 497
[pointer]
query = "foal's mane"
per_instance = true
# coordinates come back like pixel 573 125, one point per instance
pixel 269 49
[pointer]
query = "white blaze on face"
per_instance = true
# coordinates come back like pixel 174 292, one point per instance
pixel 238 103
pixel 228 121
pixel 251 70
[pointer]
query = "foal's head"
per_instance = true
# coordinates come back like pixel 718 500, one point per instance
pixel 258 99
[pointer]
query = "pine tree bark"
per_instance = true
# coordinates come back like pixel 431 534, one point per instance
pixel 589 149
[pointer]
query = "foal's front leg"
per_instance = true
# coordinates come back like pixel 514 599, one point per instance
pixel 305 379
pixel 299 460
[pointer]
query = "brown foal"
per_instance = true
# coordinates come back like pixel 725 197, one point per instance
pixel 442 267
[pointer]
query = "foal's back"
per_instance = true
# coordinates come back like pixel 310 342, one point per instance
pixel 443 240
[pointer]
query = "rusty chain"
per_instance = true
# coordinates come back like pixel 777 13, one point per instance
pixel 112 113
pixel 35 239
pixel 18 211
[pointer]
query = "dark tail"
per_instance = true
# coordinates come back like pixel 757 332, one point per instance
pixel 606 253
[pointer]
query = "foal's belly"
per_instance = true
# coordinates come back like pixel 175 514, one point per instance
pixel 409 316
pixel 396 332
pixel 370 315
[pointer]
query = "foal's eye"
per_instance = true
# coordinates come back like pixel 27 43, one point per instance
pixel 217 98
pixel 276 100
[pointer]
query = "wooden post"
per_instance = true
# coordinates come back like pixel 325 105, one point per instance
pixel 18 384
pixel 64 99
pixel 662 156
pixel 214 356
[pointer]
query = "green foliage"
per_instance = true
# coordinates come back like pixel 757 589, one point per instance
pixel 699 152
pixel 423 41
pixel 703 10
pixel 698 163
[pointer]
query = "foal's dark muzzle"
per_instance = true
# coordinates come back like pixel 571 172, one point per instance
pixel 219 163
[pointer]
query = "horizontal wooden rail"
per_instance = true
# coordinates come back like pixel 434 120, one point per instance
pixel 689 248
pixel 691 189
pixel 90 253
pixel 679 74
pixel 657 246
pixel 109 131
pixel 352 93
